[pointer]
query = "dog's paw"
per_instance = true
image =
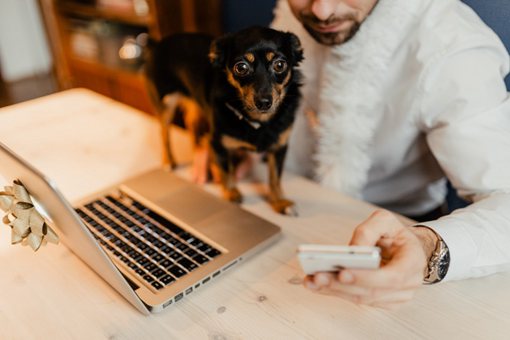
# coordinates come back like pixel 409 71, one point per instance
pixel 285 207
pixel 233 195
pixel 169 167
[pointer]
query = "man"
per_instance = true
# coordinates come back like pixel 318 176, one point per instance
pixel 405 92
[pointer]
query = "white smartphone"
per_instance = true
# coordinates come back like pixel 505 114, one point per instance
pixel 331 258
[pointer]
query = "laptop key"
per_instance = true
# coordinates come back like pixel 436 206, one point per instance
pixel 182 246
pixel 158 273
pixel 166 263
pixel 150 252
pixel 157 285
pixel 204 248
pixel 189 265
pixel 150 267
pixel 175 255
pixel 143 261
pixel 176 271
pixel 200 259
pixel 191 252
pixel 167 279
pixel 158 257
pixel 213 252
pixel 148 278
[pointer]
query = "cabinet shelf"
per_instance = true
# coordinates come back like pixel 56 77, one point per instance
pixel 85 38
pixel 105 70
pixel 95 12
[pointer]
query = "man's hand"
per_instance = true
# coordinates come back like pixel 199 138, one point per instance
pixel 202 164
pixel 405 252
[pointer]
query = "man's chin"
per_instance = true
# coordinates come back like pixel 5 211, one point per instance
pixel 332 38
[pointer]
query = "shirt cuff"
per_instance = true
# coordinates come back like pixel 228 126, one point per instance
pixel 463 250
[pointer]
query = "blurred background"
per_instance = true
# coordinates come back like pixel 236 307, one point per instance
pixel 51 45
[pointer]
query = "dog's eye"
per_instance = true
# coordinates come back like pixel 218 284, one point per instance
pixel 280 66
pixel 241 68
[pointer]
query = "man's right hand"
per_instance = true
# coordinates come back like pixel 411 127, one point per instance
pixel 405 253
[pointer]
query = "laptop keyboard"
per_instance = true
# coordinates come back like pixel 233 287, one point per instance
pixel 150 246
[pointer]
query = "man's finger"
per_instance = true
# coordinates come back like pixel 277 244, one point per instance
pixel 200 161
pixel 391 276
pixel 319 280
pixel 246 165
pixel 380 224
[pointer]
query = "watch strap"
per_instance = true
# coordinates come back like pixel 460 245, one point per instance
pixel 438 263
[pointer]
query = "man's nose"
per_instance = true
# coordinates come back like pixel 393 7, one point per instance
pixel 323 9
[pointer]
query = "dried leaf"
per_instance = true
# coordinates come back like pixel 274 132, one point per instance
pixel 20 192
pixel 20 227
pixel 34 241
pixel 51 236
pixel 15 238
pixel 5 201
pixel 36 223
pixel 28 226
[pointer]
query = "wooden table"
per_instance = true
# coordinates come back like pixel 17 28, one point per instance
pixel 85 141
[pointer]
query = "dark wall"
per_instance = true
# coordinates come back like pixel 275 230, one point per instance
pixel 496 14
pixel 239 14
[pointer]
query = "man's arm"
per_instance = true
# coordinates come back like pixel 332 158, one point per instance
pixel 466 115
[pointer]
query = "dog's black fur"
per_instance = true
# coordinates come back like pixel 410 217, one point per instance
pixel 246 86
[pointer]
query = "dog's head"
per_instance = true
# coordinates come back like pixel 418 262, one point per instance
pixel 259 64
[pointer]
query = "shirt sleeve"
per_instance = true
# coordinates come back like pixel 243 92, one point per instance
pixel 465 113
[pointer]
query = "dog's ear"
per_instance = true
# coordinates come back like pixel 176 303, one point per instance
pixel 295 47
pixel 218 51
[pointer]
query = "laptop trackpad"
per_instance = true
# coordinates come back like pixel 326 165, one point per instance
pixel 191 204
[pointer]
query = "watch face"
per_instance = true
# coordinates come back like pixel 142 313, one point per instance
pixel 444 263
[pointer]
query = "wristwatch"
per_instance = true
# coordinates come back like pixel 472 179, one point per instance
pixel 438 263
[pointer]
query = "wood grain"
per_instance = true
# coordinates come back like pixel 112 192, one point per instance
pixel 83 141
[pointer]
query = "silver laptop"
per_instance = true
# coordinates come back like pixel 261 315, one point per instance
pixel 155 238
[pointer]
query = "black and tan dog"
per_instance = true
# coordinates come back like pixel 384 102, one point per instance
pixel 238 93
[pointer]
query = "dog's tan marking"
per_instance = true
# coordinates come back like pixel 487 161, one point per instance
pixel 276 196
pixel 249 95
pixel 234 82
pixel 270 56
pixel 250 57
pixel 212 56
pixel 166 112
pixel 284 137
pixel 228 181
pixel 281 87
pixel 213 52
pixel 194 120
pixel 233 143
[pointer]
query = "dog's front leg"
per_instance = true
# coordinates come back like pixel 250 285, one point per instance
pixel 277 200
pixel 224 161
pixel 166 117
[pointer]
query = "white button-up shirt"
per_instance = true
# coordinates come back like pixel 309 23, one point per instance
pixel 440 107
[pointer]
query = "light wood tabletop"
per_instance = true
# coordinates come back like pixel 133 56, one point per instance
pixel 84 141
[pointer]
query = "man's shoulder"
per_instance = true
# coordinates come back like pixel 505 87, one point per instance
pixel 452 26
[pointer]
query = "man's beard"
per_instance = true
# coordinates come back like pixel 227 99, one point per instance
pixel 329 38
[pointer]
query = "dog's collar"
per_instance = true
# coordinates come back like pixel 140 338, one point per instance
pixel 252 123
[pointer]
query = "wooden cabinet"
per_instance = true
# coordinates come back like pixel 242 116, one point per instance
pixel 97 43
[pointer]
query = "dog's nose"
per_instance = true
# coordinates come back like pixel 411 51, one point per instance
pixel 263 103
